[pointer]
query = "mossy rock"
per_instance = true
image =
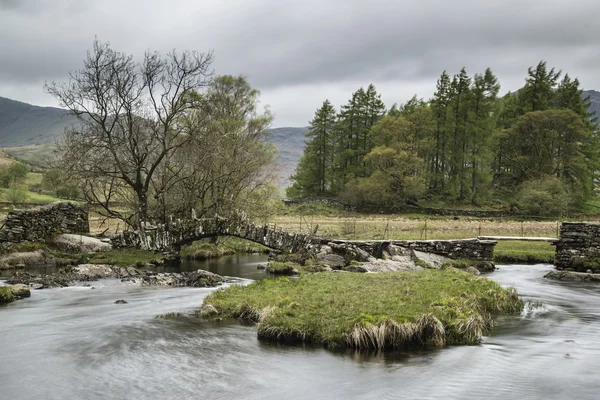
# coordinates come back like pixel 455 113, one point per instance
pixel 283 268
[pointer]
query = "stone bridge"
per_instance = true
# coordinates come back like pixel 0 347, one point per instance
pixel 173 235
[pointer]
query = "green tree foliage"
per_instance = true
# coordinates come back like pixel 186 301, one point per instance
pixel 464 145
pixel 395 159
pixel 352 139
pixel 552 143
pixel 17 194
pixel 13 174
pixel 538 92
pixel 546 196
pixel 314 175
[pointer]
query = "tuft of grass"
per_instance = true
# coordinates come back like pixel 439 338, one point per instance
pixel 228 245
pixel 6 294
pixel 283 268
pixel 432 308
pixel 124 257
pixel 514 251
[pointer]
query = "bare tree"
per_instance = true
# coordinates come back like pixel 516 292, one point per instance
pixel 132 124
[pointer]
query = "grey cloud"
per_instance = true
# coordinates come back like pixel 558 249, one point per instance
pixel 283 45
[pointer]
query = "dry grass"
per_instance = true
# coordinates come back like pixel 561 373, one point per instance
pixel 403 227
pixel 108 226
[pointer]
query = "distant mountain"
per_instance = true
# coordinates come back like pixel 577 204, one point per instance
pixel 290 142
pixel 29 133
pixel 23 124
pixel 594 100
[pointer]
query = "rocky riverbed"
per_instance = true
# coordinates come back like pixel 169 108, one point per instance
pixel 73 275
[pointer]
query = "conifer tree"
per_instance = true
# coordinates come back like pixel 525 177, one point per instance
pixel 538 92
pixel 313 177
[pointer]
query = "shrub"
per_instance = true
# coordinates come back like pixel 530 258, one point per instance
pixel 17 194
pixel 545 197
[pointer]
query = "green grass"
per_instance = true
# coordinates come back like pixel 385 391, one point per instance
pixel 227 245
pixel 34 178
pixel 32 197
pixel 6 294
pixel 514 251
pixel 386 310
pixel 124 257
pixel 283 268
pixel 39 155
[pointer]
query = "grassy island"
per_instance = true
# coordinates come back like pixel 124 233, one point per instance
pixel 432 308
pixel 11 293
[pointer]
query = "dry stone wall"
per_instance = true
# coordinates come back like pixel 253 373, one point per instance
pixel 471 249
pixel 578 243
pixel 38 223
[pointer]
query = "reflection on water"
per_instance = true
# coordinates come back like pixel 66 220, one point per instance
pixel 76 343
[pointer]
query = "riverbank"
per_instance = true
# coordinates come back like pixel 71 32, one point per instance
pixel 395 310
pixel 72 275
pixel 522 252
pixel 10 293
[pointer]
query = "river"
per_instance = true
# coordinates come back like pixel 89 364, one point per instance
pixel 75 343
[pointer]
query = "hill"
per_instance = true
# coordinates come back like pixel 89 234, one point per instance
pixel 23 124
pixel 290 142
pixel 594 100
pixel 29 132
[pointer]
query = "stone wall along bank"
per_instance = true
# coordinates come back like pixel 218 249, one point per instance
pixel 578 242
pixel 39 223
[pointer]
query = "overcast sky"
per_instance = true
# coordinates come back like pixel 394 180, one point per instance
pixel 299 53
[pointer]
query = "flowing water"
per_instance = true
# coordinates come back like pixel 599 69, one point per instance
pixel 75 343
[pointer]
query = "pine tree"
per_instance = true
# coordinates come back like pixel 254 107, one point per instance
pixel 483 121
pixel 538 92
pixel 440 106
pixel 459 101
pixel 313 176
pixel 352 137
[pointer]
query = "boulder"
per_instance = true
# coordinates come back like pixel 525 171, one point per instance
pixel 572 276
pixel 20 291
pixel 72 243
pixel 397 263
pixel 26 259
pixel 356 268
pixel 333 260
pixel 472 270
pixel 433 260
pixel 394 250
pixel 208 310
pixel 86 272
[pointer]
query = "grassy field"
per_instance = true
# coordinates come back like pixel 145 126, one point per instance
pixel 412 227
pixel 390 310
pixel 512 251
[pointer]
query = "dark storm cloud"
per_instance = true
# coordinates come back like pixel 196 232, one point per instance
pixel 300 52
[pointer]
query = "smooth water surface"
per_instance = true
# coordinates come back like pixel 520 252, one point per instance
pixel 75 343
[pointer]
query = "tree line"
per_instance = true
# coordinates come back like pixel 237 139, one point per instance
pixel 534 150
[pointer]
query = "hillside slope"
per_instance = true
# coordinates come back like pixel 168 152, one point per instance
pixel 290 142
pixel 23 124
